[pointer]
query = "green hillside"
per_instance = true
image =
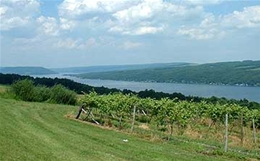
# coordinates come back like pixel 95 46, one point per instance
pixel 229 73
pixel 26 70
pixel 106 68
pixel 41 131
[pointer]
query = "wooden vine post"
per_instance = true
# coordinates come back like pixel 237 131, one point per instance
pixel 133 121
pixel 87 111
pixel 242 129
pixel 79 112
pixel 226 134
pixel 254 131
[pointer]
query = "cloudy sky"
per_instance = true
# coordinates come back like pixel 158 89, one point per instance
pixel 66 33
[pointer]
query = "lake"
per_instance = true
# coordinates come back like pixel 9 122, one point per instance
pixel 201 90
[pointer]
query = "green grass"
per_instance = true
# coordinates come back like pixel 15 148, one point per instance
pixel 4 88
pixel 41 131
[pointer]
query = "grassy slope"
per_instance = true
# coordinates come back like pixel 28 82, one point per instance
pixel 3 88
pixel 40 131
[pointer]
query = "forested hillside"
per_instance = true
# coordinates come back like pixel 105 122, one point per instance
pixel 26 70
pixel 106 68
pixel 245 73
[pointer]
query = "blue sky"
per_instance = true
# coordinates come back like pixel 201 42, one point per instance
pixel 67 33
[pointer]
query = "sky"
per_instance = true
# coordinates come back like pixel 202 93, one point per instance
pixel 70 33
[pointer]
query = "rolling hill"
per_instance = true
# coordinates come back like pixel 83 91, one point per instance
pixel 26 70
pixel 245 73
pixel 106 68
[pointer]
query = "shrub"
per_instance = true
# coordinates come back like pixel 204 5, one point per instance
pixel 42 93
pixel 26 91
pixel 23 89
pixel 62 95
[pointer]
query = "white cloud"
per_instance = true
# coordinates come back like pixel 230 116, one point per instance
pixel 116 29
pixel 70 43
pixel 127 17
pixel 66 24
pixel 138 19
pixel 143 30
pixel 17 13
pixel 144 10
pixel 48 26
pixel 3 10
pixel 67 43
pixel 13 22
pixel 26 41
pixel 21 7
pixel 208 29
pixel 201 33
pixel 209 21
pixel 216 27
pixel 89 43
pixel 20 13
pixel 249 17
pixel 131 45
pixel 75 8
pixel 147 30
pixel 53 27
pixel 203 2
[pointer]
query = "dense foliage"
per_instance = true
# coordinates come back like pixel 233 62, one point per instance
pixel 49 82
pixel 62 95
pixel 165 112
pixel 228 73
pixel 24 90
pixel 27 91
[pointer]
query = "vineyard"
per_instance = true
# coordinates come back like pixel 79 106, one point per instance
pixel 228 124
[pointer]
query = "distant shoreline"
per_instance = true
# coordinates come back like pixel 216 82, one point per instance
pixel 246 73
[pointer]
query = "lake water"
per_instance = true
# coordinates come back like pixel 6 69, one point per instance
pixel 231 92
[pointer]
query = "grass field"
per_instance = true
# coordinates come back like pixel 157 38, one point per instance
pixel 41 131
pixel 4 88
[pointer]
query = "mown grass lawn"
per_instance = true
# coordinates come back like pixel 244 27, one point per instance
pixel 41 131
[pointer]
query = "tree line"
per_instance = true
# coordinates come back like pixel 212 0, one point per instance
pixel 79 88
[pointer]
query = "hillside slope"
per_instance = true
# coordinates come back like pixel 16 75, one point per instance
pixel 26 70
pixel 41 131
pixel 106 68
pixel 228 73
